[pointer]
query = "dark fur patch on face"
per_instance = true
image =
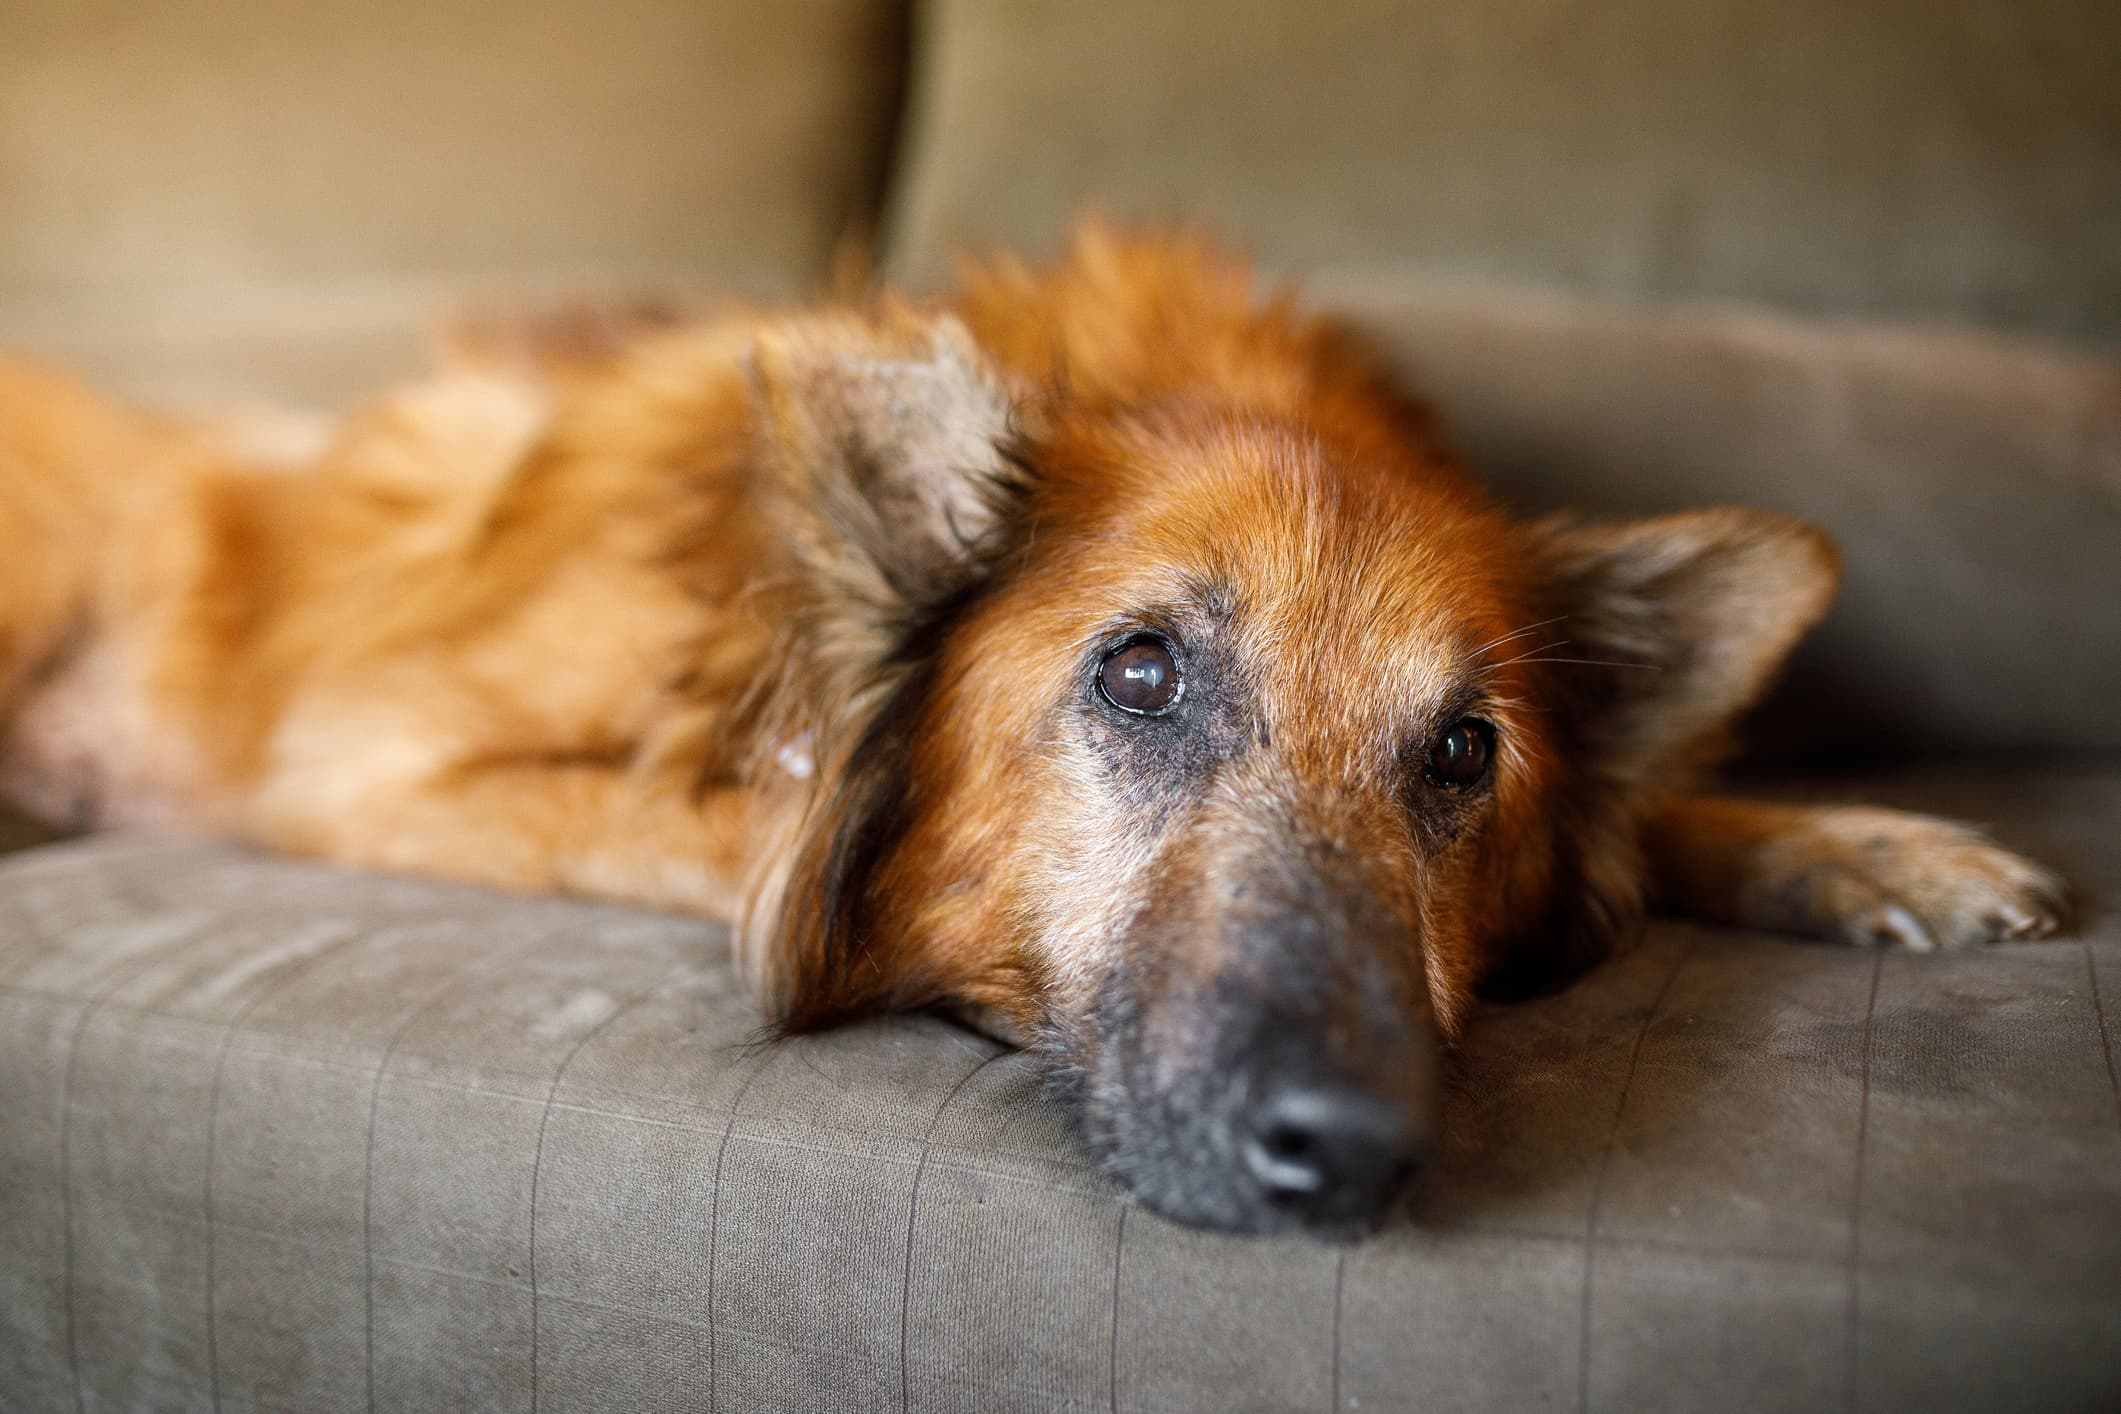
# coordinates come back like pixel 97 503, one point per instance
pixel 1581 923
pixel 1157 765
pixel 845 961
pixel 1161 1074
pixel 1137 1129
pixel 1444 814
pixel 840 966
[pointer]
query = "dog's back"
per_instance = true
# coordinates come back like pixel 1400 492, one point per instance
pixel 168 587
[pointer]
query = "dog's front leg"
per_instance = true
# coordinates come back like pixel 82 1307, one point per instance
pixel 1855 874
pixel 534 825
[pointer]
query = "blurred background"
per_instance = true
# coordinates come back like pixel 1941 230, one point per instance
pixel 1856 259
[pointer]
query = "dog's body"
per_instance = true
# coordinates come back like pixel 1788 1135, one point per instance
pixel 1099 648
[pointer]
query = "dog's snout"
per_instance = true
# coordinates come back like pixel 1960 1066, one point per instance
pixel 1333 1153
pixel 1272 1062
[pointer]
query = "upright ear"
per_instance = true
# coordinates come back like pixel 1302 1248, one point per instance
pixel 882 448
pixel 1686 619
pixel 884 487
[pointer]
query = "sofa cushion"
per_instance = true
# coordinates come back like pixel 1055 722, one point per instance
pixel 274 1136
pixel 1906 157
pixel 203 171
pixel 1973 482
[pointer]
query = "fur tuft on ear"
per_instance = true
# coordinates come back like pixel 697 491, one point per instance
pixel 881 466
pixel 1684 620
pixel 881 445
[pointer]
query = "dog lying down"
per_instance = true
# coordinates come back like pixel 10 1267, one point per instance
pixel 1101 648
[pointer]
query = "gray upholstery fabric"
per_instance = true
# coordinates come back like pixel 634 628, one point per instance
pixel 203 144
pixel 278 1137
pixel 1972 480
pixel 198 186
pixel 1956 158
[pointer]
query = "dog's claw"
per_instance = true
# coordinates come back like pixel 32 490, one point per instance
pixel 1882 879
pixel 2020 924
pixel 1897 927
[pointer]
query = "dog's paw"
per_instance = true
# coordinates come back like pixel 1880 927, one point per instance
pixel 1878 878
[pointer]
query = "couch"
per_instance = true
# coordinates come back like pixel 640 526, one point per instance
pixel 275 1136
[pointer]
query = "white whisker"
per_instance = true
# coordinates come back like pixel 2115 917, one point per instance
pixel 1526 656
pixel 1513 637
pixel 1595 663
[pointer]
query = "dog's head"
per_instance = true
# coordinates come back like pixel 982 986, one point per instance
pixel 1222 749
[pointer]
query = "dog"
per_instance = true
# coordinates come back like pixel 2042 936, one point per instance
pixel 1104 649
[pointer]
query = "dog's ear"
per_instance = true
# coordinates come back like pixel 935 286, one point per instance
pixel 1685 619
pixel 886 488
pixel 882 450
pixel 1666 630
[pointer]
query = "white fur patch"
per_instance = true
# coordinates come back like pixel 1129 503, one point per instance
pixel 794 757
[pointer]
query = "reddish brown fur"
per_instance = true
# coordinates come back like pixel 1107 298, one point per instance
pixel 556 632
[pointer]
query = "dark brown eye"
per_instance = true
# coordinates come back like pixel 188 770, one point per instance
pixel 1140 677
pixel 1460 756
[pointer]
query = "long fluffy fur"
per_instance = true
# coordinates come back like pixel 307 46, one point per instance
pixel 767 617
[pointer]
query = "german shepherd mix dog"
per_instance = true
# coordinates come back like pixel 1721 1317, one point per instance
pixel 1102 648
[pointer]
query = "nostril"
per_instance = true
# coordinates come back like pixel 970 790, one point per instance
pixel 1286 1166
pixel 1329 1151
pixel 1287 1150
pixel 1286 1141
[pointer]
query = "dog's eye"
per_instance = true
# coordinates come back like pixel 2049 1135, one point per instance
pixel 1141 677
pixel 1460 756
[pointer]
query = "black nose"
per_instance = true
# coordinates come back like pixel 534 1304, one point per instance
pixel 1328 1153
